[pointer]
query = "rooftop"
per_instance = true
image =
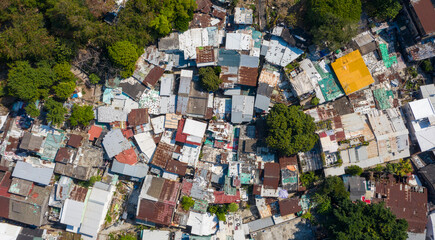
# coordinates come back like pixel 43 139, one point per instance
pixel 352 72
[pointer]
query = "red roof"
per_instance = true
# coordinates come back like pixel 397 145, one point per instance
pixel 322 134
pixel 94 132
pixel 220 197
pixel 128 133
pixel 5 183
pixel 181 137
pixel 153 76
pixel 75 140
pixel 127 156
pixel 425 11
pixel 186 187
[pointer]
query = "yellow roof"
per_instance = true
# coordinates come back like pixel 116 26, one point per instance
pixel 352 72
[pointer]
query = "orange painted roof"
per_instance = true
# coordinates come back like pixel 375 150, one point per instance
pixel 127 156
pixel 352 72
pixel 94 132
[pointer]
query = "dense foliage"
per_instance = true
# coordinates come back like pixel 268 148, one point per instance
pixel 124 54
pixel 333 22
pixel 354 170
pixel 290 130
pixel 383 9
pixel 426 65
pixel 55 112
pixel 81 115
pixel 402 168
pixel 64 90
pixel 187 202
pixel 344 219
pixel 94 79
pixel 32 110
pixel 315 101
pixel 233 207
pixel 210 78
pixel 308 179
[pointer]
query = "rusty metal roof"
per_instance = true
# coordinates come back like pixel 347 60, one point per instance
pixel 205 54
pixel 153 76
pixel 271 175
pixel 75 140
pixel 156 212
pixel 176 167
pixel 162 155
pixel 425 11
pixel 248 76
pixel 289 206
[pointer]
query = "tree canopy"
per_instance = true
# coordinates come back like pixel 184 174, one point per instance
pixel 290 130
pixel 124 54
pixel 210 78
pixel 383 9
pixel 32 110
pixel 55 112
pixel 333 22
pixel 402 168
pixel 81 115
pixel 187 202
pixel 28 83
pixel 308 179
pixel 344 219
pixel 354 170
pixel 233 207
pixel 94 79
pixel 64 90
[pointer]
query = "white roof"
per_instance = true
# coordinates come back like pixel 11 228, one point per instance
pixel 203 224
pixel 194 128
pixel 146 143
pixel 422 108
pixel 280 53
pixel 166 83
pixel 238 41
pixel 158 124
pixel 9 231
pixel 186 73
pixel 96 210
pixel 110 114
pixel 426 138
pixel 155 235
pixel 72 213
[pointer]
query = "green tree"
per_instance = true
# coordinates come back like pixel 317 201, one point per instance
pixel 233 207
pixel 55 112
pixel 127 237
pixel 290 130
pixel 29 83
pixel 364 221
pixel 333 22
pixel 81 115
pixel 94 79
pixel 403 168
pixel 426 65
pixel 315 101
pixel 187 202
pixel 212 209
pixel 332 190
pixel 64 90
pixel 63 72
pixel 354 170
pixel 209 79
pixel 124 54
pixel 32 110
pixel 25 38
pixel 308 179
pixel 383 9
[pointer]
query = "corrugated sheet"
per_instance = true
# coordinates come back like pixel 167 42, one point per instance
pixel 41 175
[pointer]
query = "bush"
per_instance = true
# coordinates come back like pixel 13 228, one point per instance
pixel 308 179
pixel 64 90
pixel 187 203
pixel 315 101
pixel 32 110
pixel 81 115
pixel 354 170
pixel 210 78
pixel 124 55
pixel 426 65
pixel 94 79
pixel 213 209
pixel 233 207
pixel 56 112
pixel 221 216
pixel 383 9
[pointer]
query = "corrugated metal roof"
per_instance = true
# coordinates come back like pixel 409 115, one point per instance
pixel 138 170
pixel 110 114
pixel 114 143
pixel 249 61
pixel 262 102
pixel 72 212
pixel 230 58
pixel 27 171
pixel 260 224
pixel 242 108
pixel 166 84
